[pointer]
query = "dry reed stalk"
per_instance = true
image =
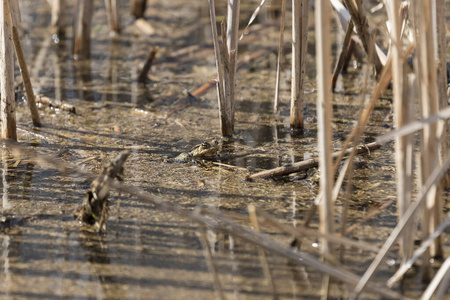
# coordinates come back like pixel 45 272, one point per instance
pixel 428 93
pixel 262 254
pixel 324 116
pixel 418 253
pixel 300 9
pixel 112 7
pixel 345 52
pixel 232 37
pixel 84 10
pixel 442 278
pixel 8 102
pixel 226 63
pixel 137 8
pixel 402 113
pixel 355 9
pixel 430 185
pixel 148 64
pixel 280 53
pixel 59 8
pixel 210 262
pixel 15 17
pixel 442 78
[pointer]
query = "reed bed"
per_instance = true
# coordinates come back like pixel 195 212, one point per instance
pixel 420 104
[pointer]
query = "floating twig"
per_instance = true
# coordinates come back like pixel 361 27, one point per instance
pixel 310 163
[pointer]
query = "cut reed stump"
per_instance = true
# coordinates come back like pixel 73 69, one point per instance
pixel 300 9
pixel 137 8
pixel 8 105
pixel 82 28
pixel 310 163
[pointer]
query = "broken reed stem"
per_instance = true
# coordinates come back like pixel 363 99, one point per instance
pixel 8 103
pixel 148 64
pixel 311 163
pixel 355 9
pixel 210 262
pixel 112 7
pixel 219 66
pixel 25 74
pixel 345 52
pixel 300 9
pixel 280 53
pixel 324 116
pixel 262 254
pixel 441 278
pixel 58 17
pixel 82 28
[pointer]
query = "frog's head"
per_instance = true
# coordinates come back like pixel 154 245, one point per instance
pixel 206 149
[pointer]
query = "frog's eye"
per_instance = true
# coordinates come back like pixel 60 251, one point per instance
pixel 205 145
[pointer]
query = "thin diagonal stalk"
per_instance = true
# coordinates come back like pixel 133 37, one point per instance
pixel 280 52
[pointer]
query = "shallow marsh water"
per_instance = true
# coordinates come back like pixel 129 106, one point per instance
pixel 147 253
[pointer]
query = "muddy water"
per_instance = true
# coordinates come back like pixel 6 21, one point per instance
pixel 147 253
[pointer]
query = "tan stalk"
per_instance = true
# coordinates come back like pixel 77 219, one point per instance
pixel 112 7
pixel 280 52
pixel 23 65
pixel 8 102
pixel 58 17
pixel 403 145
pixel 324 115
pixel 428 93
pixel 300 9
pixel 355 9
pixel 442 278
pixel 82 28
pixel 442 78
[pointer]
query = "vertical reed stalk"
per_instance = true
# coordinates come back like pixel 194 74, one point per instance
pixel 8 104
pixel 82 28
pixel 403 145
pixel 112 7
pixel 299 41
pixel 226 58
pixel 442 78
pixel 426 70
pixel 138 8
pixel 280 53
pixel 58 17
pixel 230 72
pixel 324 114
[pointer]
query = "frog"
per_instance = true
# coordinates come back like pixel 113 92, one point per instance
pixel 205 150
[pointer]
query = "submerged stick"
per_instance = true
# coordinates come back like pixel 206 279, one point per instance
pixel 148 64
pixel 310 163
